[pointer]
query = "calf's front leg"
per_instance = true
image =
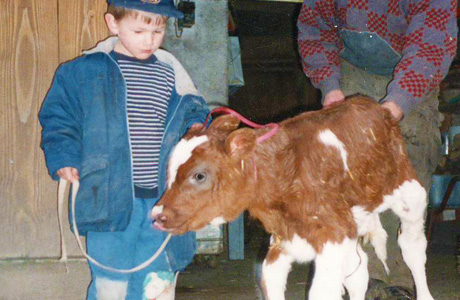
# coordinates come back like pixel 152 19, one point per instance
pixel 275 270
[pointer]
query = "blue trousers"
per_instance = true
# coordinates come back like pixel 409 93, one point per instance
pixel 125 250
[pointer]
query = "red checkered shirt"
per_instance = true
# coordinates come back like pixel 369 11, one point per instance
pixel 424 32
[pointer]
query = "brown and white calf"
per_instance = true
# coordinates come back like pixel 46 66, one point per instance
pixel 317 185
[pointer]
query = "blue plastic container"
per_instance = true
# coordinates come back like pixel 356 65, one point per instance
pixel 438 189
pixel 453 131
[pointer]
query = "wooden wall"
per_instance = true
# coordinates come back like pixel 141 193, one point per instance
pixel 35 37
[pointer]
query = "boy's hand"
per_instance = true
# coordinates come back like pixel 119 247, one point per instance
pixel 68 173
pixel 334 96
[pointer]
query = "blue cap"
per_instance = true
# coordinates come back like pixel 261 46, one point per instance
pixel 161 7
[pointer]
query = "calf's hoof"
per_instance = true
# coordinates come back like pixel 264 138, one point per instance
pixel 379 290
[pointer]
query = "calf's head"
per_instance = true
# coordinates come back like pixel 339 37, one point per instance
pixel 206 181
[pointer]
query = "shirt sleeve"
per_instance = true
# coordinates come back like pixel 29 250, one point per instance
pixel 320 44
pixel 196 111
pixel 429 47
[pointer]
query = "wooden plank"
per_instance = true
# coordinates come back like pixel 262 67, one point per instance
pixel 81 26
pixel 29 57
pixel 35 36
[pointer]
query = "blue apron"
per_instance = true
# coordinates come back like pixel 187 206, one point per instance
pixel 368 51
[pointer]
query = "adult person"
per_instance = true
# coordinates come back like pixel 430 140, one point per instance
pixel 397 52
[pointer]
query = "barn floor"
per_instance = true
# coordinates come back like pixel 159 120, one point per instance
pixel 228 280
pixel 231 280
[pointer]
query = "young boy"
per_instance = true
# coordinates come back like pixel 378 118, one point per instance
pixel 110 120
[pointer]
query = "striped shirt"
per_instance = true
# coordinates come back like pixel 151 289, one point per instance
pixel 149 85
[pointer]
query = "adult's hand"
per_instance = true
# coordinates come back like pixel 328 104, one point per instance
pixel 394 109
pixel 69 174
pixel 333 97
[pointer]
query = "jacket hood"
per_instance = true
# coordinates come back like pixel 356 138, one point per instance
pixel 104 46
pixel 183 83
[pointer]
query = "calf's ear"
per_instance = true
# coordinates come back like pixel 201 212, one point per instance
pixel 224 123
pixel 241 143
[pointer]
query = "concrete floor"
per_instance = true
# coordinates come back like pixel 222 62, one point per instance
pixel 228 280
pixel 232 280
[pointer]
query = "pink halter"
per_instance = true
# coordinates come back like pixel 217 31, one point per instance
pixel 260 139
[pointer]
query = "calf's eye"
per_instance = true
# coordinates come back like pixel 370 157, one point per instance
pixel 199 177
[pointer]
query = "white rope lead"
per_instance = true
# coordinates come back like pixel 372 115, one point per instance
pixel 61 196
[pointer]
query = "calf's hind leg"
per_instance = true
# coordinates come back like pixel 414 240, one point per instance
pixel 409 203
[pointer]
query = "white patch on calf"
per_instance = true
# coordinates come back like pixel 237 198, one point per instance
pixel 275 276
pixel 369 225
pixel 355 271
pixel 330 139
pixel 408 201
pixel 330 270
pixel 363 219
pixel 181 153
pixel 299 249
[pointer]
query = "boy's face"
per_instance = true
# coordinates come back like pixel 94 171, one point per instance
pixel 137 38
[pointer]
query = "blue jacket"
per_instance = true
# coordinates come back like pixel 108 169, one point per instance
pixel 85 126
